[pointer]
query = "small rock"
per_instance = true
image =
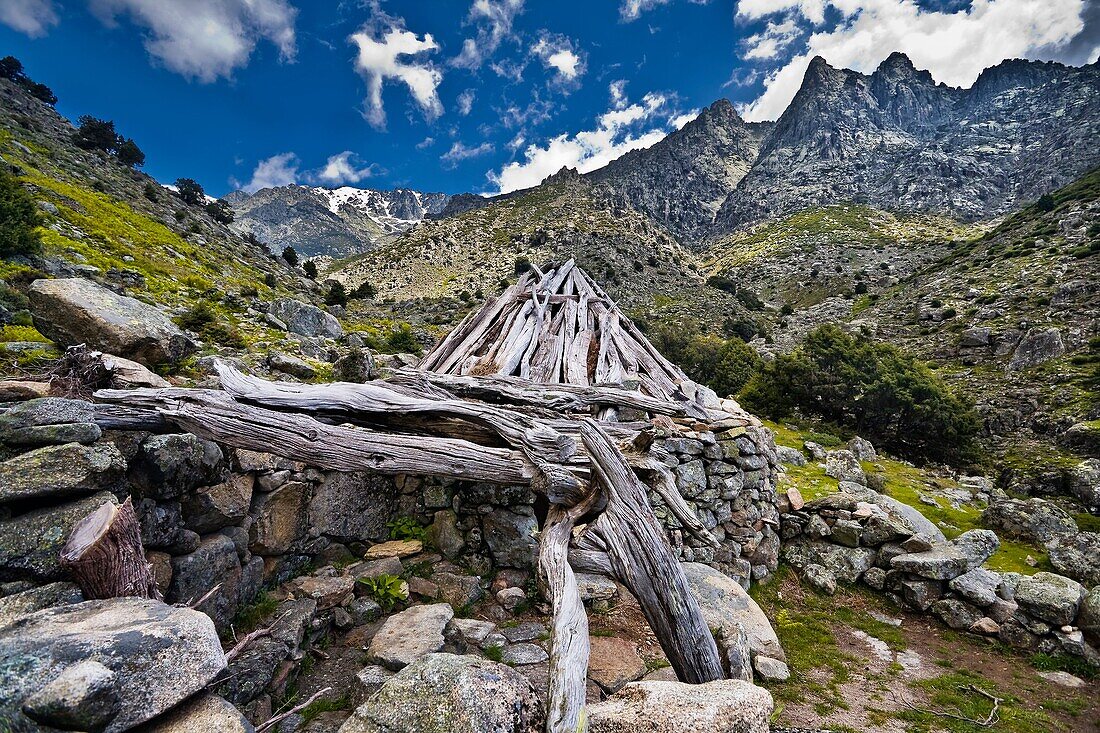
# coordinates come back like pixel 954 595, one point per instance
pixel 511 598
pixel 524 653
pixel 1065 679
pixel 206 713
pixel 986 626
pixel 82 697
pixel 613 662
pixel 395 548
pixel 770 669
pixel 820 578
pixel 407 636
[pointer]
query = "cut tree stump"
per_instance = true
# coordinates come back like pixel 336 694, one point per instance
pixel 105 555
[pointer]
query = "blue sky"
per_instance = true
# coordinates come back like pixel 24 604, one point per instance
pixel 475 95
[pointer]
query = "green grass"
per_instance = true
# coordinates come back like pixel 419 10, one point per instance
pixel 954 694
pixel 325 705
pixel 249 617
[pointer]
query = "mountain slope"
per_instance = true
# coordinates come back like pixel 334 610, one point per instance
pixel 682 181
pixel 897 140
pixel 336 222
pixel 472 253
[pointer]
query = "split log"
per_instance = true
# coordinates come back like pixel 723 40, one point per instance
pixel 644 563
pixel 569 646
pixel 105 556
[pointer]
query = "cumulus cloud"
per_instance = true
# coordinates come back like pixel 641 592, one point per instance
pixel 460 152
pixel 680 120
pixel 343 169
pixel 557 52
pixel 388 51
pixel 493 19
pixel 954 45
pixel 206 39
pixel 32 17
pixel 618 131
pixel 278 170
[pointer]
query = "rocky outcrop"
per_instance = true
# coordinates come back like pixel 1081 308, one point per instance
pixel 104 665
pixel 898 140
pixel 77 311
pixel 445 693
pixel 1034 520
pixel 305 319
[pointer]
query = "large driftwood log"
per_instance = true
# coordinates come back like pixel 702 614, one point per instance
pixel 644 563
pixel 544 447
pixel 216 416
pixel 105 556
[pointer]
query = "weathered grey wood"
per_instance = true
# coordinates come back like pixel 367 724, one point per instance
pixel 569 647
pixel 544 447
pixel 568 398
pixel 644 563
pixel 216 416
pixel 105 556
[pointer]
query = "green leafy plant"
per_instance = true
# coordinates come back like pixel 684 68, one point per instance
pixel 407 528
pixel 386 590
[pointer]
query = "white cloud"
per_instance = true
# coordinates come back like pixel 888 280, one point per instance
pixel 459 152
pixel 342 169
pixel 32 17
pixel 557 53
pixel 618 131
pixel 494 19
pixel 630 10
pixel 425 143
pixel 955 46
pixel 680 120
pixel 812 10
pixel 466 102
pixel 206 39
pixel 617 90
pixel 773 40
pixel 382 43
pixel 278 170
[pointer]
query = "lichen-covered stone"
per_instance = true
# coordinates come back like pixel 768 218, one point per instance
pixel 158 655
pixel 724 706
pixel 60 470
pixel 445 693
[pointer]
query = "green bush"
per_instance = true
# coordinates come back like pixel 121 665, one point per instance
pixel 724 365
pixel 873 388
pixel 402 341
pixel 310 269
pixel 190 191
pixel 290 256
pixel 336 294
pixel 19 218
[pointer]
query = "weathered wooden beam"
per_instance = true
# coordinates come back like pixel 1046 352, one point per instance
pixel 643 561
pixel 216 416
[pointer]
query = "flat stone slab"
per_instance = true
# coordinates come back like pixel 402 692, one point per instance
pixel 524 653
pixel 724 706
pixel 407 636
pixel 394 548
pixel 155 656
pixel 945 562
pixel 207 713
pixel 60 471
